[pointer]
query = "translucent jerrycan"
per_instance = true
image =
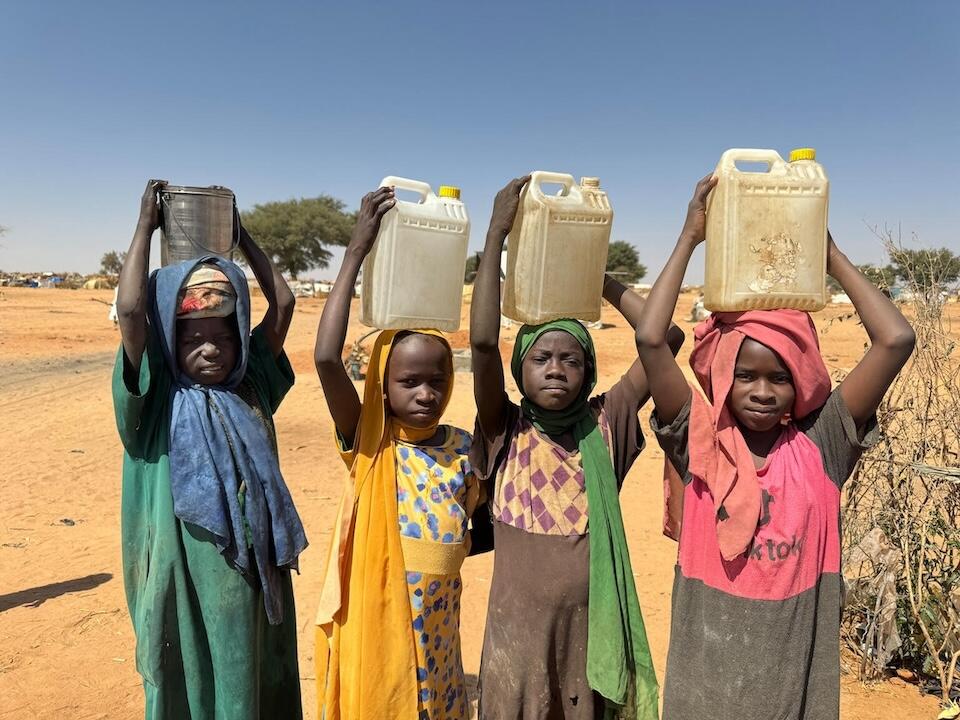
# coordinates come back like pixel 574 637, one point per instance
pixel 413 276
pixel 557 251
pixel 767 233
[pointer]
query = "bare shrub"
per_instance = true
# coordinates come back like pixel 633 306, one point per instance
pixel 902 507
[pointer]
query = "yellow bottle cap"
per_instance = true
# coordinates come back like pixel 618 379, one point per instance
pixel 803 154
pixel 449 191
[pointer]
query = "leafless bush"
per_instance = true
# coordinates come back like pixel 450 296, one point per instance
pixel 904 497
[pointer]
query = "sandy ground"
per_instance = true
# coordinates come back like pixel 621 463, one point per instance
pixel 66 642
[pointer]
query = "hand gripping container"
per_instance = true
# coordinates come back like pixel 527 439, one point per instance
pixel 767 233
pixel 413 276
pixel 557 251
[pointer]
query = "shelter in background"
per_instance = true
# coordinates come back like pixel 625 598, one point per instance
pixel 98 282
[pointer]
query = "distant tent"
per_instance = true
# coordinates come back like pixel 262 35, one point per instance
pixel 97 283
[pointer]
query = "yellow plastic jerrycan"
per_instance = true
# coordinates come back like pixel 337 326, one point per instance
pixel 557 251
pixel 413 276
pixel 767 233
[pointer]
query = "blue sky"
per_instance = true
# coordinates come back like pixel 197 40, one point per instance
pixel 282 100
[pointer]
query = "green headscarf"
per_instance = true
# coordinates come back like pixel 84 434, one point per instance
pixel 619 666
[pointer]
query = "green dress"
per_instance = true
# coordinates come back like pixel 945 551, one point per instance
pixel 204 647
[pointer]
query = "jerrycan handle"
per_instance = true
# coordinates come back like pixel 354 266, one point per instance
pixel 729 159
pixel 537 177
pixel 416 186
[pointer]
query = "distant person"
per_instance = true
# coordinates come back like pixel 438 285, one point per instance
pixel 209 530
pixel 112 315
pixel 564 636
pixel 699 312
pixel 762 456
pixel 388 636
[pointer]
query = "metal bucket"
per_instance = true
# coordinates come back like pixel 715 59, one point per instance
pixel 196 221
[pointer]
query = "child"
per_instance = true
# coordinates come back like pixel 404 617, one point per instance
pixel 388 645
pixel 564 634
pixel 209 530
pixel 757 594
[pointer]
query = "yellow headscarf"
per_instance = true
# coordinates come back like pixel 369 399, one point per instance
pixel 365 654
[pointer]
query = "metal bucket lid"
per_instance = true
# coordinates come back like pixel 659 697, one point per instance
pixel 213 190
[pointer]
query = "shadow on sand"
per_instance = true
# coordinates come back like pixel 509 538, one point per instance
pixel 36 596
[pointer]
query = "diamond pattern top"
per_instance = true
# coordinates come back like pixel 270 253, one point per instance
pixel 539 485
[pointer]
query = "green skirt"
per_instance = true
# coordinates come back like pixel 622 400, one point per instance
pixel 220 658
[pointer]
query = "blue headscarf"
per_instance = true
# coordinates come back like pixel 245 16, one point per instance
pixel 217 442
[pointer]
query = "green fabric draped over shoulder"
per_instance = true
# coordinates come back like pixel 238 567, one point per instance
pixel 619 667
pixel 205 648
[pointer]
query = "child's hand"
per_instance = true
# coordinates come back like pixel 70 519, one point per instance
pixel 149 208
pixel 505 206
pixel 372 209
pixel 695 226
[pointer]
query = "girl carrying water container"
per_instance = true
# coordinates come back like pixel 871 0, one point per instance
pixel 209 530
pixel 388 641
pixel 564 635
pixel 763 455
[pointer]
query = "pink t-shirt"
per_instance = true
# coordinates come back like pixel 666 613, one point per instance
pixel 757 637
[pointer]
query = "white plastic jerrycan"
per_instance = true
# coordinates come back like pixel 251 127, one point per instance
pixel 413 276
pixel 557 251
pixel 767 233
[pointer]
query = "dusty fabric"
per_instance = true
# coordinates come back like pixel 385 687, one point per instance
pixel 535 640
pixel 206 293
pixel 757 637
pixel 218 447
pixel 718 452
pixel 205 648
pixel 619 666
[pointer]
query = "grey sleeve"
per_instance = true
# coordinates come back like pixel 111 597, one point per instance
pixel 619 405
pixel 834 432
pixel 673 438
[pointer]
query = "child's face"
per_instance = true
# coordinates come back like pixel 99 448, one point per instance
pixel 553 371
pixel 207 348
pixel 418 380
pixel 762 391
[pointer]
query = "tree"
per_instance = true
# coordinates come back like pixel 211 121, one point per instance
pixel 930 270
pixel 883 277
pixel 297 233
pixel 112 262
pixel 624 262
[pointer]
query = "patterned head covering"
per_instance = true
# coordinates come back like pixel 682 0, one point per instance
pixel 206 293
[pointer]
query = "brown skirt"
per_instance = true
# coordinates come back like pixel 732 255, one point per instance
pixel 535 643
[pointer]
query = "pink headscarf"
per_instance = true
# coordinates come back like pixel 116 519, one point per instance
pixel 718 453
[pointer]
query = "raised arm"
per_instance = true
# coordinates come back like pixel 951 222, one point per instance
pixel 630 305
pixel 891 338
pixel 666 380
pixel 132 290
pixel 280 300
pixel 485 313
pixel 341 395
